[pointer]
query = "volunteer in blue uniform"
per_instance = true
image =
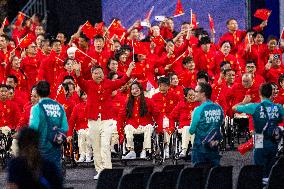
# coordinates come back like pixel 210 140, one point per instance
pixel 206 118
pixel 265 145
pixel 54 112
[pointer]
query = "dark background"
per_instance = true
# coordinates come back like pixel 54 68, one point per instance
pixel 67 15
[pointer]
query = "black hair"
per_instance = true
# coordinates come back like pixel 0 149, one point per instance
pixel 99 37
pixel 66 60
pixel 165 80
pixel 6 37
pixel 111 74
pixel 202 74
pixel 81 93
pixel 271 37
pixel 281 79
pixel 96 67
pixel 69 77
pixel 229 20
pixel 54 41
pixel 228 70
pixel 226 42
pixel 43 89
pixel 143 109
pixel 206 88
pixel 185 90
pixel 171 74
pixel 187 60
pixel 184 23
pixel 266 90
pixel 2 85
pixel 257 33
pixel 250 62
pixel 14 78
pixel 204 40
pixel 223 63
pixel 83 36
pixel 108 63
pixel 125 47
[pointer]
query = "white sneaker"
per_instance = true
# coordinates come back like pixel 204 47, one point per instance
pixel 182 154
pixel 143 154
pixel 81 159
pixel 167 151
pixel 96 177
pixel 88 159
pixel 130 155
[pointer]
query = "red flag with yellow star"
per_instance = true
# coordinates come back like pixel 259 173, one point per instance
pixel 179 10
pixel 262 14
pixel 211 23
pixel 20 19
pixel 116 28
pixel 88 30
pixel 99 28
pixel 26 41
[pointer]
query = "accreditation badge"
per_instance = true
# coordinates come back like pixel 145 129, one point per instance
pixel 258 140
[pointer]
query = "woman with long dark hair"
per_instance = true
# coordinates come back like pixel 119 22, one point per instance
pixel 28 169
pixel 136 117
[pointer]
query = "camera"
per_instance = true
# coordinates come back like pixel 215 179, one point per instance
pixel 276 56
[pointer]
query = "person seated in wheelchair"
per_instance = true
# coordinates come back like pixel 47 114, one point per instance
pixel 9 113
pixel 182 114
pixel 165 100
pixel 79 122
pixel 136 117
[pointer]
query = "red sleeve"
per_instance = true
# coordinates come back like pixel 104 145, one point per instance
pixel 72 121
pixel 83 84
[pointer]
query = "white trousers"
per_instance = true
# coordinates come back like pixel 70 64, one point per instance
pixel 129 131
pixel 84 142
pixel 185 137
pixel 100 136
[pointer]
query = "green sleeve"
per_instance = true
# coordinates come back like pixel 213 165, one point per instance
pixel 195 117
pixel 248 108
pixel 34 117
pixel 64 124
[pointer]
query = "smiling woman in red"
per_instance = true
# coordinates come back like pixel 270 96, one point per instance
pixel 137 117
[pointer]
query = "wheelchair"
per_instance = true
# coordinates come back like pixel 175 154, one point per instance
pixel 155 154
pixel 70 152
pixel 236 129
pixel 5 147
pixel 176 147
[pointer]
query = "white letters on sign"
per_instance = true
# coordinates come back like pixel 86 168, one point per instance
pixel 52 110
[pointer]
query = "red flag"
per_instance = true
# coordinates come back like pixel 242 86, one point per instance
pixel 244 148
pixel 116 28
pixel 262 14
pixel 193 20
pixel 282 34
pixel 5 23
pixel 88 30
pixel 148 15
pixel 99 28
pixel 158 40
pixel 26 41
pixel 211 23
pixel 179 10
pixel 61 97
pixel 20 19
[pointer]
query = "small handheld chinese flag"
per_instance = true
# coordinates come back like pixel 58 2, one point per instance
pixel 116 28
pixel 179 10
pixel 99 28
pixel 88 30
pixel 262 14
pixel 211 23
pixel 148 15
pixel 26 41
pixel 20 19
pixel 193 19
pixel 282 33
pixel 5 23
